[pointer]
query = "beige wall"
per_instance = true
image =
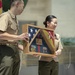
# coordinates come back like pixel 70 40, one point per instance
pixel 37 10
pixel 65 11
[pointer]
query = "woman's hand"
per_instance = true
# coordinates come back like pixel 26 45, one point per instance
pixel 36 55
pixel 58 52
pixel 20 47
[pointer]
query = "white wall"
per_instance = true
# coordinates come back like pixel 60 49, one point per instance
pixel 37 10
pixel 65 12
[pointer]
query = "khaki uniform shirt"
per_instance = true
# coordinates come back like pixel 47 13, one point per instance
pixel 8 23
pixel 58 46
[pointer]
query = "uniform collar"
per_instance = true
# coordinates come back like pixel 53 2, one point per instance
pixel 12 15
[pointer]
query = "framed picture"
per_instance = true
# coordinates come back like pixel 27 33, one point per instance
pixel 40 41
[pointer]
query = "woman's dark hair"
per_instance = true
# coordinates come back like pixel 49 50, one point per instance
pixel 48 19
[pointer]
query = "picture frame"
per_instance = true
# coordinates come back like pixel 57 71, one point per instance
pixel 44 47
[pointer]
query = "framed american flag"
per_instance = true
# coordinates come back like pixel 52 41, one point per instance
pixel 41 40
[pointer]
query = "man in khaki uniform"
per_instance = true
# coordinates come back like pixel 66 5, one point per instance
pixel 9 54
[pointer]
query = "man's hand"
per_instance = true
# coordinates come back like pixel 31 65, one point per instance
pixel 24 36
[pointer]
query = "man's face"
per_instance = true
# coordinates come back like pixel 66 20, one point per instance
pixel 19 8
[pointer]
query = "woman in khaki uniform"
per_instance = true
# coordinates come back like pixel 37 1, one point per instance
pixel 9 54
pixel 49 66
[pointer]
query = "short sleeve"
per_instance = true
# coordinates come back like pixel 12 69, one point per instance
pixel 60 44
pixel 3 22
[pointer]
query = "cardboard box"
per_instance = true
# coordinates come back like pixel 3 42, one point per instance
pixel 41 40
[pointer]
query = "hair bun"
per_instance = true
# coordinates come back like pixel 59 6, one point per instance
pixel 44 23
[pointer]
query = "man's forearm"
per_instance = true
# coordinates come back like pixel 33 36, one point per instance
pixel 7 36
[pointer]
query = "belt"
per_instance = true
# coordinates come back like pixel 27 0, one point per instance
pixel 8 43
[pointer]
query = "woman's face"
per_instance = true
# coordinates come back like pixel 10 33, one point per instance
pixel 52 24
